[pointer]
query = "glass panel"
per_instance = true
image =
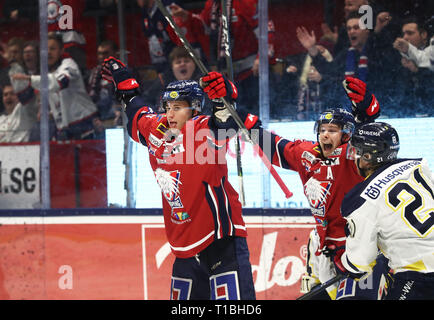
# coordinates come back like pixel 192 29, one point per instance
pixel 92 161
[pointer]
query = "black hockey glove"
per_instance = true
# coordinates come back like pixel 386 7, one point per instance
pixel 365 105
pixel 126 87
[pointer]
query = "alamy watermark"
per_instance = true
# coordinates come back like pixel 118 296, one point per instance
pixel 60 14
pixel 366 21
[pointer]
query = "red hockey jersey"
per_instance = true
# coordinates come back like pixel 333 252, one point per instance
pixel 325 182
pixel 199 204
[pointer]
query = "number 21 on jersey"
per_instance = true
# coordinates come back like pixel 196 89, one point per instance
pixel 417 209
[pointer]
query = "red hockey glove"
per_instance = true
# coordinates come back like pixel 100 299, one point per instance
pixel 340 269
pixel 218 86
pixel 365 105
pixel 115 71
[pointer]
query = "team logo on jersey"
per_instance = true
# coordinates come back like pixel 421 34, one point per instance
pixel 316 193
pixel 180 216
pixel 372 192
pixel 169 182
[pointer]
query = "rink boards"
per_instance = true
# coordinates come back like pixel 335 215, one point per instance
pixel 124 254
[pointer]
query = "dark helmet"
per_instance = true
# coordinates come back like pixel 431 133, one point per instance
pixel 375 142
pixel 337 116
pixel 184 90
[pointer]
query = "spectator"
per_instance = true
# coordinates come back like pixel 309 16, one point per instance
pixel 244 31
pixel 338 36
pixel 18 117
pixel 161 37
pixel 70 105
pixel 304 86
pixel 31 57
pixel 100 90
pixel 182 68
pixel 63 19
pixel 417 95
pixel 422 58
pixel 12 53
pixel 370 57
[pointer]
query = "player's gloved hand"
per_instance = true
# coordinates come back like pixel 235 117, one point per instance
pixel 340 269
pixel 218 86
pixel 365 105
pixel 115 71
pixel 331 250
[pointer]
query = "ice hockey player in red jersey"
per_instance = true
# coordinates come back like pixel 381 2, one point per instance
pixel 327 175
pixel 202 213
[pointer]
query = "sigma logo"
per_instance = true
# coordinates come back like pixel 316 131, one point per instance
pixel 372 192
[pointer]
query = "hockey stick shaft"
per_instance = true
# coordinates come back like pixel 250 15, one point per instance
pixel 229 107
pixel 225 42
pixel 316 290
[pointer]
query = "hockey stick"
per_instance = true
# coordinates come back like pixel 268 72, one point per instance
pixel 319 288
pixel 226 6
pixel 229 107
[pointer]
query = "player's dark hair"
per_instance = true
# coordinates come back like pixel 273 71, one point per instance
pixel 414 19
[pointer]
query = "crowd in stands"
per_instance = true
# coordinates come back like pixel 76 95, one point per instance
pixel 393 53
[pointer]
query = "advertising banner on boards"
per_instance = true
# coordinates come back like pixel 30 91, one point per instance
pixel 19 177
pixel 128 257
